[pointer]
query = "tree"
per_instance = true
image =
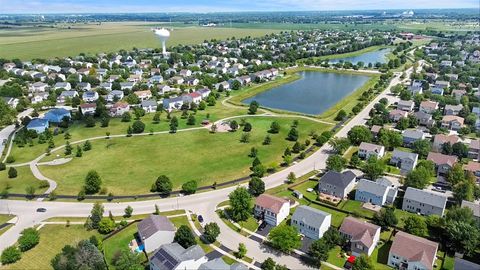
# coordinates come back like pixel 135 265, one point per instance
pixel 292 134
pixel 79 152
pixel 422 147
pixel 318 250
pixel 363 262
pixel 240 204
pixel 291 177
pixel 285 238
pixel 242 251
pixel 96 215
pixel 374 168
pixel 460 150
pixel 247 127
pixel 274 127
pixel 68 148
pixel 385 218
pixel 128 211
pixel 28 239
pixel 245 138
pixel 126 117
pixel 106 225
pixel 190 187
pixel 84 256
pixel 173 124
pixel 268 264
pixel 416 225
pixel 456 174
pixel 211 232
pixel 12 172
pixel 89 121
pixel 418 178
pixel 267 140
pixel 10 255
pixel 465 190
pixel 156 118
pixel 253 107
pixel 462 237
pixel 138 127
pixel 340 115
pixel 191 120
pixel 256 186
pixel 129 131
pixel 359 134
pixel 184 237
pixel 92 182
pixel 336 163
pixel 3 167
pixel 87 146
pixel 124 259
pixel 233 125
pixel 390 139
pixel 340 145
pixel 163 185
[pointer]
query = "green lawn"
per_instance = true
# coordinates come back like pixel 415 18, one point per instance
pixel 72 39
pixel 181 156
pixel 401 215
pixel 380 256
pixel 306 185
pixel 52 239
pixel 335 257
pixel 250 224
pixel 119 241
pixel 23 180
pixel 5 218
pixel 356 207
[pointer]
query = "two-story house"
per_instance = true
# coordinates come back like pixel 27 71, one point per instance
pixel 367 150
pixel 424 202
pixel 337 184
pixel 406 161
pixel 410 252
pixel 271 209
pixel 378 192
pixel 311 222
pixel 174 257
pixel 443 163
pixel 362 236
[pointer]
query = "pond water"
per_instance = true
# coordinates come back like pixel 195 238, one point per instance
pixel 313 93
pixel 366 58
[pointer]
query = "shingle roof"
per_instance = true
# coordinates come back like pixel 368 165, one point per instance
pixel 359 230
pixel 152 224
pixel 461 264
pixel 402 154
pixel 311 216
pixel 474 206
pixel 414 248
pixel 370 146
pixel 426 197
pixel 168 256
pixel 216 264
pixel 270 202
pixel 341 180
pixel 439 158
pixel 413 133
pixel 372 187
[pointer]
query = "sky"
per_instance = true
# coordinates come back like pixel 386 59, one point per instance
pixel 123 6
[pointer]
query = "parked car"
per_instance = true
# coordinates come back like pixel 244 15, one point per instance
pixel 41 210
pixel 200 218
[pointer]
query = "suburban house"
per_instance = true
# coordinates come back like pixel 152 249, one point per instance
pixel 474 149
pixel 155 231
pixel 380 192
pixel 461 264
pixel 424 202
pixel 411 252
pixel 119 108
pixel 416 87
pixel 375 130
pixel 170 104
pixel 452 109
pixel 443 163
pixel 271 209
pixel 473 167
pixel 441 139
pixel 90 96
pixel 424 119
pixel 452 122
pixel 38 125
pixel 175 257
pixel 475 207
pixel 428 106
pixel 127 85
pixel 38 87
pixel 458 94
pixel 363 236
pixel 405 105
pixel 367 150
pixel 67 95
pixel 88 108
pixel 57 115
pixel 337 184
pixel 412 135
pixel 149 105
pixel 406 161
pixel 396 115
pixel 143 95
pixel 220 264
pixel 194 97
pixel 115 95
pixel 63 85
pixel 311 222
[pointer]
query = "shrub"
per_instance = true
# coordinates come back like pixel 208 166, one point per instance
pixel 106 225
pixel 190 187
pixel 12 172
pixel 3 167
pixel 10 159
pixel 29 239
pixel 138 126
pixel 10 255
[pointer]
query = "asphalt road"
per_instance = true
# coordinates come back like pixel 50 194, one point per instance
pixel 201 203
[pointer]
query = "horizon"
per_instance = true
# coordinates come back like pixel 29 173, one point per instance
pixel 17 7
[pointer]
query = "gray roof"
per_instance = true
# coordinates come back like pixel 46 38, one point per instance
pixel 341 180
pixel 401 154
pixel 169 256
pixel 426 197
pixel 311 216
pixel 216 264
pixel 238 266
pixel 461 264
pixel 474 206
pixel 147 103
pixel 154 223
pixel 371 187
pixel 413 133
pixel 422 115
pixel 405 103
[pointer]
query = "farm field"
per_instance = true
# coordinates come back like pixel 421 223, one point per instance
pixel 70 40
pixel 181 156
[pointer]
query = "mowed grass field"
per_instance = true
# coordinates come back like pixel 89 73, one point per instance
pixel 23 180
pixel 131 165
pixel 73 39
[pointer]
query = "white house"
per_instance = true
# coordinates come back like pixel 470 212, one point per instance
pixel 271 209
pixel 311 222
pixel 363 236
pixel 367 150
pixel 155 231
pixel 411 252
pixel 175 257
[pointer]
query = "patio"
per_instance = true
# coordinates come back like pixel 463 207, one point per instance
pixel 329 198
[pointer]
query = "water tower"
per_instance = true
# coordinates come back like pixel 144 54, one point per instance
pixel 163 34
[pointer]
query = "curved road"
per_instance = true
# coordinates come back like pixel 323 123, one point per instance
pixel 201 203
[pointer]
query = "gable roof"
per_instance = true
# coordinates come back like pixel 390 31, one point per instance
pixel 152 224
pixel 427 197
pixel 360 231
pixel 377 188
pixel 413 133
pixel 414 248
pixel 402 154
pixel 270 202
pixel 439 158
pixel 169 256
pixel 311 216
pixel 474 206
pixel 341 180
pixel 370 147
